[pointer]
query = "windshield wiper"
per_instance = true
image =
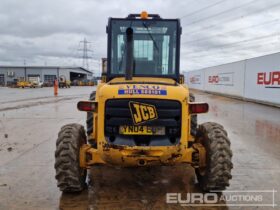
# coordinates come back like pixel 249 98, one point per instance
pixel 151 36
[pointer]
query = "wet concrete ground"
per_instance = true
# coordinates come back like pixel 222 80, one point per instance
pixel 31 118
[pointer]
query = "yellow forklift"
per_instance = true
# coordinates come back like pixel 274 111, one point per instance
pixel 142 114
pixel 22 83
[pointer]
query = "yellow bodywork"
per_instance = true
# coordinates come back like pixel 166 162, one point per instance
pixel 23 84
pixel 140 155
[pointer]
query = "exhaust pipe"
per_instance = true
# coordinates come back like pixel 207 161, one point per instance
pixel 129 54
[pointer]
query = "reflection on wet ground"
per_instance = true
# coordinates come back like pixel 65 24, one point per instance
pixel 134 188
pixel 27 173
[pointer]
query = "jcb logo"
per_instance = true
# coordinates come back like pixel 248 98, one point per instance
pixel 142 112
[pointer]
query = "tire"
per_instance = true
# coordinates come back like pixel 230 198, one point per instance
pixel 90 115
pixel 70 177
pixel 193 118
pixel 217 173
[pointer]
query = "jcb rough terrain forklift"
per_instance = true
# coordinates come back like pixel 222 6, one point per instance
pixel 142 114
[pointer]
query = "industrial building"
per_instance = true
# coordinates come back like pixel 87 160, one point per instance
pixel 47 74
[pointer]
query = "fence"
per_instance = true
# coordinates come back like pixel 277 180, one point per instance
pixel 256 79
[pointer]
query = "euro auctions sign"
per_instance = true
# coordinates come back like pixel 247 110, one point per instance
pixel 262 79
pixel 226 79
pixel 269 79
pixel 196 79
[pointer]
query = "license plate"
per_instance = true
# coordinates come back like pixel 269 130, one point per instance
pixel 141 130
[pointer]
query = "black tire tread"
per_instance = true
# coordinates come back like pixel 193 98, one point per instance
pixel 70 177
pixel 193 118
pixel 89 121
pixel 218 154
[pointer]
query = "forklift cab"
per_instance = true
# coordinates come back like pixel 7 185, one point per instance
pixel 144 46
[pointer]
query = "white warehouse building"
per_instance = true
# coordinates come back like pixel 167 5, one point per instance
pixel 47 74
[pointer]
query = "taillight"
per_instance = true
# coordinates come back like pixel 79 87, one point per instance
pixel 87 106
pixel 196 108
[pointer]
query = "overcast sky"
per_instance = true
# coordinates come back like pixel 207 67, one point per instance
pixel 214 31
